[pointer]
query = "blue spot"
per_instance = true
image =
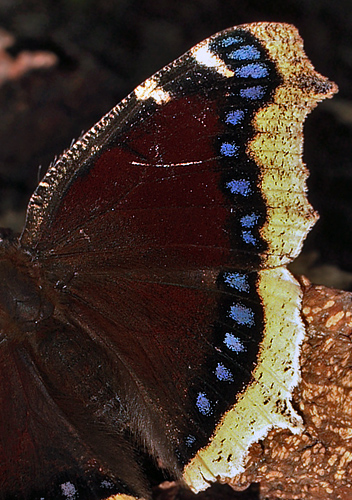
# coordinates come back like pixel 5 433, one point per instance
pixel 223 373
pixel 242 315
pixel 256 92
pixel 190 440
pixel 240 186
pixel 231 40
pixel 235 117
pixel 228 149
pixel 253 70
pixel 68 490
pixel 238 281
pixel 234 343
pixel 247 52
pixel 203 404
pixel 107 484
pixel 249 238
pixel 249 220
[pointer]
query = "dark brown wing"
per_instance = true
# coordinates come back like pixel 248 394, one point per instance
pixel 151 246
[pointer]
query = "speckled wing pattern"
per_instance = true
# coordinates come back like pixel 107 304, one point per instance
pixel 163 327
pixel 276 147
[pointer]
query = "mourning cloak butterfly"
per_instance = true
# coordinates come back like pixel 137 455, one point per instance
pixel 146 312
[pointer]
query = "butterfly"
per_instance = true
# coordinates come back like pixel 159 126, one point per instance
pixel 147 318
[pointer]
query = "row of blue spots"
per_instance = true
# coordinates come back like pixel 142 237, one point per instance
pixel 240 51
pixel 203 403
pixel 223 374
pixel 233 117
pixel 248 222
pixel 243 316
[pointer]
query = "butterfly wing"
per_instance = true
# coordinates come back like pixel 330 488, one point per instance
pixel 156 240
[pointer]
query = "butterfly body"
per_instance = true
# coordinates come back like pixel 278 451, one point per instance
pixel 146 313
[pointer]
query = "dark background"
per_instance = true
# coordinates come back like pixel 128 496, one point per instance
pixel 64 63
